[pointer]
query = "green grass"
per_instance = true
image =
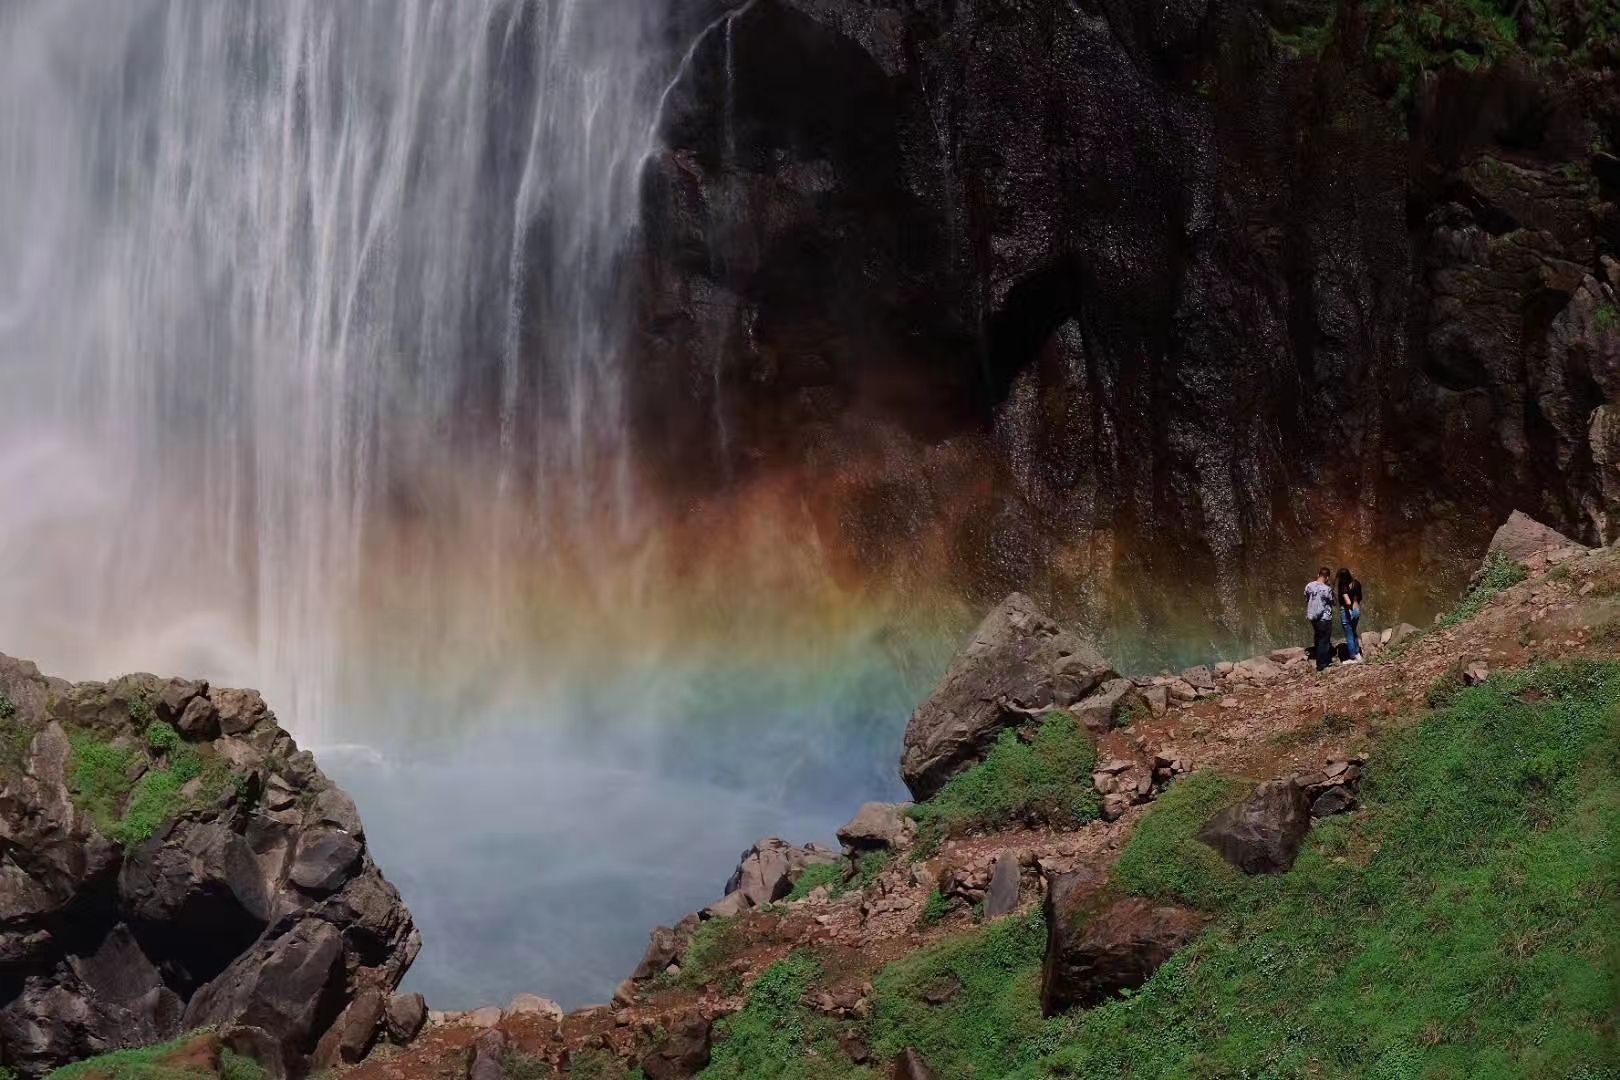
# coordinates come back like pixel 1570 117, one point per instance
pixel 15 738
pixel 1501 574
pixel 991 1024
pixel 1046 782
pixel 816 875
pixel 1607 317
pixel 775 1037
pixel 714 945
pixel 586 1065
pixel 131 811
pixel 147 1064
pixel 1165 860
pixel 1463 925
pixel 935 908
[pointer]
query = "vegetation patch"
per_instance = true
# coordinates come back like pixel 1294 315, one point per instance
pixel 165 1061
pixel 1461 925
pixel 586 1065
pixel 816 875
pixel 991 1022
pixel 1501 574
pixel 15 738
pixel 130 794
pixel 775 1037
pixel 715 944
pixel 1044 782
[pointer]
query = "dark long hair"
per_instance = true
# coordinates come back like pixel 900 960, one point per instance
pixel 1345 579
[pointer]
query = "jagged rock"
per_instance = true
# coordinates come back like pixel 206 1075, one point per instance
pixel 207 921
pixel 1398 634
pixel 1005 884
pixel 351 1037
pixel 1158 700
pixel 1262 834
pixel 488 1056
pixel 1522 536
pixel 665 947
pixel 404 1017
pixel 910 1066
pixel 768 871
pixel 1099 710
pixel 732 904
pixel 685 1052
pixel 1182 691
pixel 877 826
pixel 257 1045
pixel 1019 662
pixel 1090 959
pixel 1475 673
pixel 1334 800
pixel 1262 669
pixel 1199 678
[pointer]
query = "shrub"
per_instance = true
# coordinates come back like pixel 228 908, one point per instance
pixel 935 908
pixel 1045 782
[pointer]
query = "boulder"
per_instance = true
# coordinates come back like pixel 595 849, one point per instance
pixel 534 1005
pixel 1522 536
pixel 1333 800
pixel 1288 655
pixel 768 871
pixel 269 923
pixel 1397 634
pixel 488 1056
pixel 1005 885
pixel 878 825
pixel 1262 834
pixel 404 1017
pixel 684 1053
pixel 910 1066
pixel 1261 669
pixel 1103 707
pixel 1200 678
pixel 1018 663
pixel 1090 959
pixel 1158 700
pixel 665 947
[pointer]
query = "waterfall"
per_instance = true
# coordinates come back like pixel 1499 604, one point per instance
pixel 284 286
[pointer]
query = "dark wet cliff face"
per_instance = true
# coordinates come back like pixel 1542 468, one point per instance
pixel 1116 294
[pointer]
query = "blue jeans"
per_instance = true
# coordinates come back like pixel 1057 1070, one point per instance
pixel 1352 640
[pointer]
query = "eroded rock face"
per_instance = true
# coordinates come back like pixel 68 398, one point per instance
pixel 1522 536
pixel 1018 664
pixel 1262 834
pixel 684 1053
pixel 253 905
pixel 768 871
pixel 1115 291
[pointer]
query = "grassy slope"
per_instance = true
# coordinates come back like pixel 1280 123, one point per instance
pixel 150 1063
pixel 1465 925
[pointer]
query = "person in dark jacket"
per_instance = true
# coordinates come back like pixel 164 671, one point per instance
pixel 1349 599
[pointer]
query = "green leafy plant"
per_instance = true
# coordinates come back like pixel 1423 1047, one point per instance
pixel 935 908
pixel 1607 317
pixel 1045 782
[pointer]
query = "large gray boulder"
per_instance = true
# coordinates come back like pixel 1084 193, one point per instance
pixel 1522 536
pixel 1018 664
pixel 768 871
pixel 251 904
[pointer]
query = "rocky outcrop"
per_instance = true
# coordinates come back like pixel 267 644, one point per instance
pixel 683 1053
pixel 878 826
pixel 1103 297
pixel 1262 834
pixel 1089 961
pixel 1019 663
pixel 768 871
pixel 170 859
pixel 1522 537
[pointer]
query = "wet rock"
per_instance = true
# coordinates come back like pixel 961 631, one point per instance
pixel 209 920
pixel 684 1054
pixel 1262 834
pixel 1018 663
pixel 877 826
pixel 1089 960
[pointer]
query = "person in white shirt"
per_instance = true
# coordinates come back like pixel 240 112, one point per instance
pixel 1319 608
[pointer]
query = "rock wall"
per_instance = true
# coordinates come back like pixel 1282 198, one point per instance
pixel 170 859
pixel 1127 293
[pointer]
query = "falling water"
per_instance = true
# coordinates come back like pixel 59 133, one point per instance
pixel 276 272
